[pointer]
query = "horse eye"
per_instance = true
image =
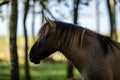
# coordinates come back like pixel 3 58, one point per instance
pixel 41 45
pixel 46 38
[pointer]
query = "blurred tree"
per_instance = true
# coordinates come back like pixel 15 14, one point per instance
pixel 69 71
pixel 27 73
pixel 70 66
pixel 97 2
pixel 43 6
pixel 111 10
pixel 76 5
pixel 2 2
pixel 14 68
pixel 33 20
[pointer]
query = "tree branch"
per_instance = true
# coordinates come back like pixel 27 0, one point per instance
pixel 50 13
pixel 44 6
pixel 3 2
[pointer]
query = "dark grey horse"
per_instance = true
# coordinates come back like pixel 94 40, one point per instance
pixel 96 57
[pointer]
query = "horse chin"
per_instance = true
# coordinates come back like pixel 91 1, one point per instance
pixel 36 62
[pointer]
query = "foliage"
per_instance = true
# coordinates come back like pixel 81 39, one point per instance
pixel 3 2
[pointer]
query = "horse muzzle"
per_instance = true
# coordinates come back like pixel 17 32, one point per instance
pixel 34 60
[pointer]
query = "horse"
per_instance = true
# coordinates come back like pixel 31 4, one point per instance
pixel 96 57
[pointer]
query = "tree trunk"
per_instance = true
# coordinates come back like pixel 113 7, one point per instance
pixel 26 6
pixel 69 70
pixel 111 10
pixel 75 19
pixel 33 21
pixel 43 6
pixel 42 15
pixel 7 17
pixel 14 68
pixel 3 2
pixel 76 4
pixel 97 16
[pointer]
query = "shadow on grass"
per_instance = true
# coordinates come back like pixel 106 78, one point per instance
pixel 56 71
pixel 4 76
pixel 4 71
pixel 48 71
pixel 43 71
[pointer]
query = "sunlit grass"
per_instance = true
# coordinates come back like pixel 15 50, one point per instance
pixel 43 71
pixel 4 71
pixel 49 71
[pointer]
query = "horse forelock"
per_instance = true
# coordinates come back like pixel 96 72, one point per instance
pixel 43 31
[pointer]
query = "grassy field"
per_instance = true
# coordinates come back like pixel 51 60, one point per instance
pixel 43 71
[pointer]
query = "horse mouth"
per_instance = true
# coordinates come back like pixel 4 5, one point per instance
pixel 35 61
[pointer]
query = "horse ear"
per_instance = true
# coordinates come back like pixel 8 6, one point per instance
pixel 52 23
pixel 45 20
pixel 46 30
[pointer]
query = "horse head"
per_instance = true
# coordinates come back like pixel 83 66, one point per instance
pixel 43 46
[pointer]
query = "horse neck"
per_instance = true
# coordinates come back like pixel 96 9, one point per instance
pixel 77 55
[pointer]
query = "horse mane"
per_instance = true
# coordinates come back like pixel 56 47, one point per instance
pixel 68 35
pixel 107 42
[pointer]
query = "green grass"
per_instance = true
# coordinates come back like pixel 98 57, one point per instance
pixel 4 71
pixel 43 71
pixel 49 72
